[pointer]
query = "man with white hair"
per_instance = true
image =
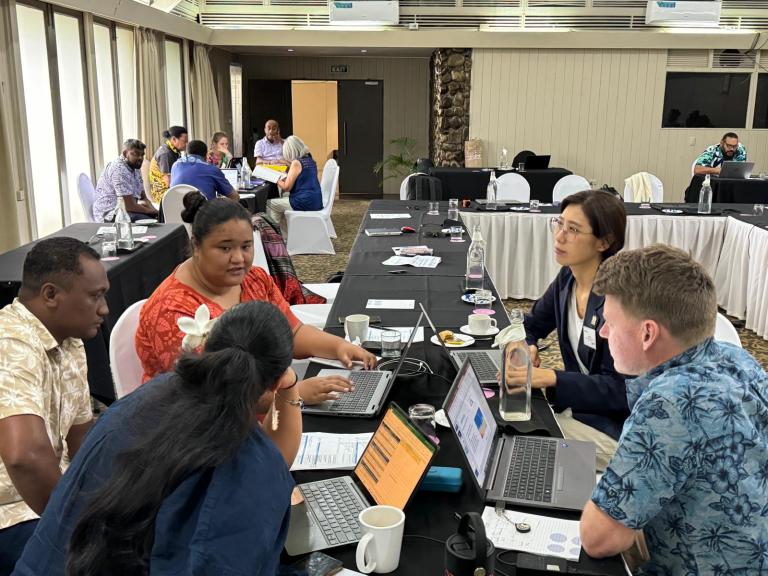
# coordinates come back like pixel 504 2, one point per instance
pixel 300 188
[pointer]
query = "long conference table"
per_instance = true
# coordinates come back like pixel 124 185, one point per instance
pixel 730 243
pixel 430 516
pixel 472 183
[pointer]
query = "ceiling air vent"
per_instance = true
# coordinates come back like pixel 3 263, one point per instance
pixel 557 3
pixel 688 59
pixel 427 3
pixel 619 3
pixel 579 22
pixel 491 3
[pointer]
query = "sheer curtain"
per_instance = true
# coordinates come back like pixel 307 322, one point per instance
pixel 205 104
pixel 153 118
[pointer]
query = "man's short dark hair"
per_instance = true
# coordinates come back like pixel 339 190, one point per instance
pixel 730 135
pixel 54 260
pixel 134 144
pixel 197 147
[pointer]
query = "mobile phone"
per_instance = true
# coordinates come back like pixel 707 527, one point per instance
pixel 318 564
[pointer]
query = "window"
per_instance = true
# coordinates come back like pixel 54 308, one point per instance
pixel 174 83
pixel 46 196
pixel 126 67
pixel 74 119
pixel 705 100
pixel 105 78
pixel 761 102
pixel 236 86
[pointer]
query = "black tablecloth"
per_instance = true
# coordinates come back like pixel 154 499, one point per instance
pixel 632 209
pixel 759 221
pixel 132 278
pixel 472 182
pixel 730 190
pixel 429 514
pixel 259 202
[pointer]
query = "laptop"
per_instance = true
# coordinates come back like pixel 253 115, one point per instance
pixel 522 470
pixel 737 170
pixel 391 467
pixel 231 175
pixel 487 363
pixel 371 389
pixel 537 162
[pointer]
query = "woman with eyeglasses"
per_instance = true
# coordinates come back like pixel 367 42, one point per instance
pixel 589 395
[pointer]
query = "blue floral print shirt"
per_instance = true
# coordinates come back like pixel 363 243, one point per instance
pixel 691 469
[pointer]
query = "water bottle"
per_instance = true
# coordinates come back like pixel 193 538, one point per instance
pixel 245 175
pixel 705 197
pixel 490 197
pixel 515 399
pixel 123 226
pixel 239 168
pixel 475 261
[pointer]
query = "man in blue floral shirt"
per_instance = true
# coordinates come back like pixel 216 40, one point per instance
pixel 691 468
pixel 730 149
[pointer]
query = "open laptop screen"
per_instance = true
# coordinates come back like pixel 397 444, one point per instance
pixel 472 421
pixel 231 175
pixel 395 460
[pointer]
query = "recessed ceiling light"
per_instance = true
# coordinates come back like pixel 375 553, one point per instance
pixel 363 50
pixel 290 49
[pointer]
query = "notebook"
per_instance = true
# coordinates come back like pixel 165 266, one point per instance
pixel 371 388
pixel 383 232
pixel 522 470
pixel 388 472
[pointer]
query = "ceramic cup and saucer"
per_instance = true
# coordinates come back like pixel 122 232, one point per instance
pixel 480 325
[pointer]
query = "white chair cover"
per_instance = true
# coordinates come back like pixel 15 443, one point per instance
pixel 725 331
pixel 312 314
pixel 127 371
pixel 328 185
pixel 568 185
pixel 310 232
pixel 513 187
pixel 173 204
pixel 87 196
pixel 657 190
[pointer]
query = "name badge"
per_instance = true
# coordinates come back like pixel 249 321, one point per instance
pixel 590 338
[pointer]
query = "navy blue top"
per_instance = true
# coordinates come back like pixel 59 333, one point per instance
pixel 229 520
pixel 306 194
pixel 195 171
pixel 598 399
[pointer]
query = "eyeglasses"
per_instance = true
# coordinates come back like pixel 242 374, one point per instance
pixel 558 225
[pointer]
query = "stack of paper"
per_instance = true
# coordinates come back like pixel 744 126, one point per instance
pixel 415 261
pixel 267 173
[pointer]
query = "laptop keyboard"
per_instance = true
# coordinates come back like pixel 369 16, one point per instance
pixel 531 470
pixel 366 383
pixel 336 507
pixel 484 367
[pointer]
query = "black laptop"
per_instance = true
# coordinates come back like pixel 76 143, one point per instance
pixel 537 162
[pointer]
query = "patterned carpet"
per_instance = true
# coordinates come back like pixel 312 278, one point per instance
pixel 347 215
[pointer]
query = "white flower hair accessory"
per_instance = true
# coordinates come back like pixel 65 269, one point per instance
pixel 195 329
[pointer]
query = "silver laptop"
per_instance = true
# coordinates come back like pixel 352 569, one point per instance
pixel 371 388
pixel 487 363
pixel 231 175
pixel 738 170
pixel 522 470
pixel 388 473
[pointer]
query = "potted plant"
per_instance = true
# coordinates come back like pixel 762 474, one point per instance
pixel 401 163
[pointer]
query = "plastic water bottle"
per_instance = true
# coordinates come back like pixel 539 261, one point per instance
pixel 245 175
pixel 490 196
pixel 475 261
pixel 705 197
pixel 515 399
pixel 239 168
pixel 123 226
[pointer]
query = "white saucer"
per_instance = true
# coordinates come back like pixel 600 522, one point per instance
pixel 465 329
pixel 470 298
pixel 441 419
pixel 146 222
pixel 466 339
pixel 671 211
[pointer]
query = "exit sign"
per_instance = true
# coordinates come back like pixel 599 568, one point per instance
pixel 339 69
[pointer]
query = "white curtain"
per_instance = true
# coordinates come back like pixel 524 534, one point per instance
pixel 205 104
pixel 153 117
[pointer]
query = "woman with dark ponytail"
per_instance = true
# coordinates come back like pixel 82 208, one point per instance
pixel 179 477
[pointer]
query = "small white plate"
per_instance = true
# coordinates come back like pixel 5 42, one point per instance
pixel 146 222
pixel 441 419
pixel 466 341
pixel 671 211
pixel 465 329
pixel 470 298
pixel 520 208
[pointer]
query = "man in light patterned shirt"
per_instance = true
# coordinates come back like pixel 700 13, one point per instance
pixel 45 407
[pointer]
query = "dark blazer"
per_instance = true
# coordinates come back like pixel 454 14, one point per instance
pixel 598 399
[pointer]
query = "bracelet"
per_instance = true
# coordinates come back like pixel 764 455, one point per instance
pixel 299 402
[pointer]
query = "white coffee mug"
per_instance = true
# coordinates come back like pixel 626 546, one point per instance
pixel 356 326
pixel 379 548
pixel 480 323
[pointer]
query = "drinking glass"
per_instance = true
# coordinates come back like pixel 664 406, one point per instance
pixel 423 417
pixel 109 243
pixel 456 234
pixel 453 209
pixel 390 344
pixel 521 167
pixel 758 209
pixel 535 205
pixel 434 208
pixel 483 301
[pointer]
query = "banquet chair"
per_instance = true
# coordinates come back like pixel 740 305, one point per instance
pixel 310 232
pixel 568 185
pixel 657 190
pixel 127 371
pixel 312 314
pixel 404 184
pixel 725 331
pixel 513 187
pixel 693 167
pixel 87 196
pixel 173 203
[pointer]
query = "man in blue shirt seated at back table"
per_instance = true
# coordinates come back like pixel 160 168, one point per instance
pixel 195 171
pixel 690 473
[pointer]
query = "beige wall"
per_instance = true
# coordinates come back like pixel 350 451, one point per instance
pixel 597 112
pixel 315 117
pixel 406 89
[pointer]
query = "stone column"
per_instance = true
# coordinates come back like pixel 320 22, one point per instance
pixel 449 118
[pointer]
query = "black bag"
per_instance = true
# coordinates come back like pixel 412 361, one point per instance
pixel 423 187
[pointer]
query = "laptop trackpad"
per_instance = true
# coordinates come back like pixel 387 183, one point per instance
pixel 303 535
